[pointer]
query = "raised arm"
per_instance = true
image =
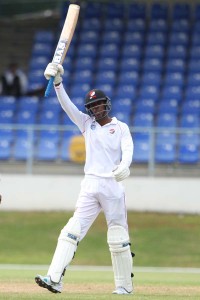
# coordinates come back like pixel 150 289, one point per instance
pixel 71 110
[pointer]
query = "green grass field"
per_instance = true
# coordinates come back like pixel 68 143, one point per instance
pixel 159 240
pixel 19 285
pixel 164 240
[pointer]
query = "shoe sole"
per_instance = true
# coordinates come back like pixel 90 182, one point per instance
pixel 43 284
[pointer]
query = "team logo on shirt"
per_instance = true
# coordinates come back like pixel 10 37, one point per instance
pixel 112 130
pixel 93 126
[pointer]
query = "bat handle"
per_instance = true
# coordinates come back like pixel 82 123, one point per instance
pixel 49 87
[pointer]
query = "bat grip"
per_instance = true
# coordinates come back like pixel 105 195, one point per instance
pixel 49 87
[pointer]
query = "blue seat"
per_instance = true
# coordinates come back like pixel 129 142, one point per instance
pixel 45 36
pixel 47 150
pixel 193 79
pixel 38 63
pixel 36 76
pixel 49 117
pixel 129 64
pixel 103 77
pixel 87 50
pixel 176 52
pixel 106 64
pixel 35 86
pixel 145 106
pixel 158 25
pixel 133 38
pixel 137 10
pixel 107 88
pixel 64 153
pixel 172 92
pixel 29 103
pixel 189 120
pixel 42 49
pixel 189 137
pixel 149 91
pixel 143 120
pixel 8 103
pixel 154 51
pixel 22 149
pixel 84 63
pixel 179 38
pixel 175 65
pixel 26 134
pixel 166 137
pixel 25 117
pixel 156 38
pixel 197 12
pixel 188 154
pixel 159 11
pixel 180 25
pixel 191 106
pixel 128 77
pixel 192 92
pixel 195 38
pixel 174 79
pixel 70 129
pixel 82 77
pixel 141 151
pixel 123 105
pixel 93 22
pixel 168 106
pixel 138 25
pixel 88 36
pixel 194 66
pixel 68 64
pixel 109 50
pixel 50 103
pixel 152 65
pixel 112 36
pixel 125 90
pixel 6 116
pixel 131 51
pixel 7 134
pixel 165 153
pixel 167 120
pixel 151 78
pixel 195 52
pixel 79 90
pixel 181 11
pixel 113 23
pixel 50 134
pixel 5 149
pixel 122 116
pixel 115 10
pixel 92 10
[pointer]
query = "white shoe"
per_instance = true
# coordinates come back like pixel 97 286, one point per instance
pixel 121 291
pixel 45 282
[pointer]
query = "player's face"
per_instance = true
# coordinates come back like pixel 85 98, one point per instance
pixel 98 109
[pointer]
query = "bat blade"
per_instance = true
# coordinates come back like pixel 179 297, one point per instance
pixel 64 40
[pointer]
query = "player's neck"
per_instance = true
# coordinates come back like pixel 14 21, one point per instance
pixel 104 120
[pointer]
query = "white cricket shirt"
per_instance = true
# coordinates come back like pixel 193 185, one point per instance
pixel 106 146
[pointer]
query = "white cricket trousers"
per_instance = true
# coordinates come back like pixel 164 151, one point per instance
pixel 100 194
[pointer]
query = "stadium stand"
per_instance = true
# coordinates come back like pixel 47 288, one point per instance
pixel 145 57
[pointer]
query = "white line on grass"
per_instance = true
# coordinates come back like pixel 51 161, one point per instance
pixel 103 268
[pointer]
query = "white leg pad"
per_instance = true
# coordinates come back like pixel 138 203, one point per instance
pixel 65 250
pixel 118 241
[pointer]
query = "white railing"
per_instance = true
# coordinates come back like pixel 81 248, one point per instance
pixel 151 164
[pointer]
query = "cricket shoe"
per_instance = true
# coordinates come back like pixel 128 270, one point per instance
pixel 121 291
pixel 45 282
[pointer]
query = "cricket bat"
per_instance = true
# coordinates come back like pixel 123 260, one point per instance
pixel 64 40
